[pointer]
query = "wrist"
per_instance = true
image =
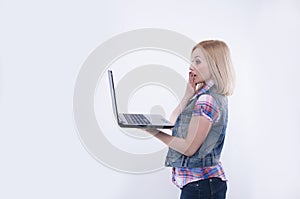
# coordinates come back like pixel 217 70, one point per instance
pixel 185 99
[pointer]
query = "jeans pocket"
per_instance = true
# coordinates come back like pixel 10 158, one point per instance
pixel 218 186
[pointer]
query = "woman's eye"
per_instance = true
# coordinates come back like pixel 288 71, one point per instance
pixel 198 62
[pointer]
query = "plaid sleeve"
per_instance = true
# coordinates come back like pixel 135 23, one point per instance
pixel 206 106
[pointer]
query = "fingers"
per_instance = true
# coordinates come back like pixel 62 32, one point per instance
pixel 152 131
pixel 191 78
pixel 191 75
pixel 192 81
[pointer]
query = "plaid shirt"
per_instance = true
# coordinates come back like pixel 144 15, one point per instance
pixel 207 107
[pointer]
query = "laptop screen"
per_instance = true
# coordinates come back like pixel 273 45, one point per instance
pixel 113 95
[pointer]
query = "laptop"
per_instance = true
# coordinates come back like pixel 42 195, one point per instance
pixel 127 120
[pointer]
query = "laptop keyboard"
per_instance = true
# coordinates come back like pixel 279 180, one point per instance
pixel 136 119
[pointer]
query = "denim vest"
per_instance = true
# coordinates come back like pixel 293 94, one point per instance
pixel 209 152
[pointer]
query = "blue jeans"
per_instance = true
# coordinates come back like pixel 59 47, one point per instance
pixel 212 188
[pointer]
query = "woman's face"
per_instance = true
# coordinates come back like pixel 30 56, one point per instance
pixel 199 66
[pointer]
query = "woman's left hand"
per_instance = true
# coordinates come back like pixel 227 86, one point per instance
pixel 152 131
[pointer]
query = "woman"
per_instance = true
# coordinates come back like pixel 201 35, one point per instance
pixel 200 124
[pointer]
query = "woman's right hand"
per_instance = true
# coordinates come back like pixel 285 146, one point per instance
pixel 190 91
pixel 192 87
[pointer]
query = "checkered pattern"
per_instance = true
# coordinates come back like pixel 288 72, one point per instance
pixel 183 176
pixel 205 106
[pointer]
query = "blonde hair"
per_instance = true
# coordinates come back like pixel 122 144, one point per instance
pixel 218 58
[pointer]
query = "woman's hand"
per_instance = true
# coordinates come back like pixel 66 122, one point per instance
pixel 151 131
pixel 192 86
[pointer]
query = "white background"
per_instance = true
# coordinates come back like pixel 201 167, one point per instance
pixel 44 43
